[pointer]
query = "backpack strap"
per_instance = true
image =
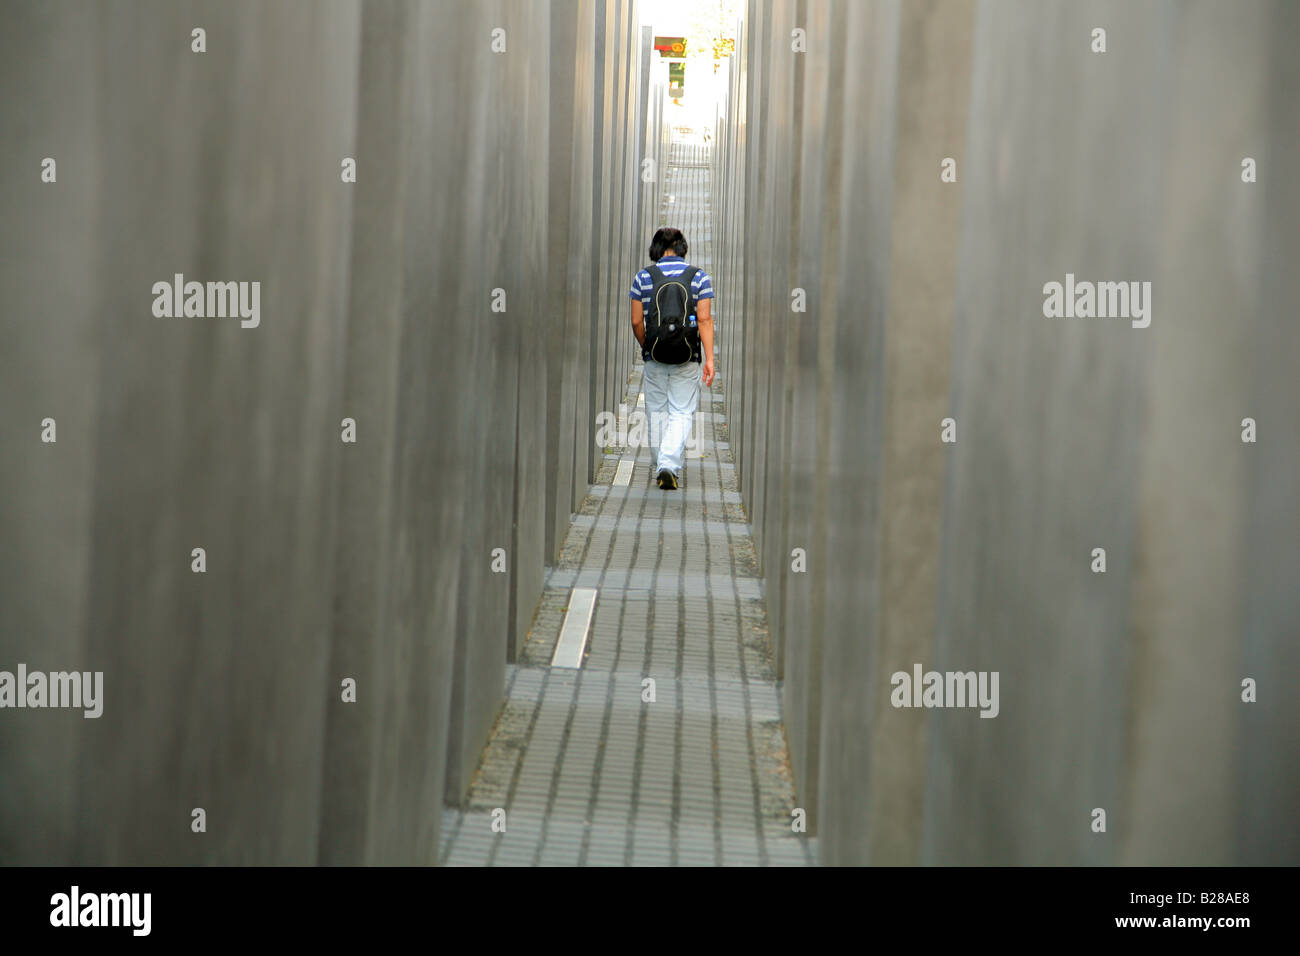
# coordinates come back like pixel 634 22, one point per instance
pixel 687 278
pixel 657 279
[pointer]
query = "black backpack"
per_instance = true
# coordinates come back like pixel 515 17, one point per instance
pixel 669 335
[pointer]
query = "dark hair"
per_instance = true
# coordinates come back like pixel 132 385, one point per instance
pixel 665 239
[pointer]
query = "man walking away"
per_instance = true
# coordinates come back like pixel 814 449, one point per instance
pixel 672 320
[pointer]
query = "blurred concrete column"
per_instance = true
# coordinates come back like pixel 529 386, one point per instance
pixel 505 205
pixel 49 369
pixel 773 319
pixel 933 91
pixel 1212 506
pixel 1045 463
pixel 803 608
pixel 565 337
pixel 529 264
pixel 1268 733
pixel 855 305
pixel 213 435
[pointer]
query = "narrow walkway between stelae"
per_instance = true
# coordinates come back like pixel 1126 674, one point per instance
pixel 587 771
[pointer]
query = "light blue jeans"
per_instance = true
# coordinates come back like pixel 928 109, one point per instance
pixel 672 394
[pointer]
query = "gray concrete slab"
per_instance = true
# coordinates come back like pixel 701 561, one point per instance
pixel 934 61
pixel 1268 733
pixel 392 406
pixel 49 369
pixel 572 41
pixel 1070 432
pixel 216 682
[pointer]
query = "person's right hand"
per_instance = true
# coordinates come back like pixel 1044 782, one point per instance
pixel 707 377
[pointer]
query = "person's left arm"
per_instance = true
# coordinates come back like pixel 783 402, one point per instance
pixel 704 319
pixel 704 323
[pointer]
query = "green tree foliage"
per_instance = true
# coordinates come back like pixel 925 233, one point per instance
pixel 712 29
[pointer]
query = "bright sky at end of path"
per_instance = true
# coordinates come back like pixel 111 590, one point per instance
pixel 705 85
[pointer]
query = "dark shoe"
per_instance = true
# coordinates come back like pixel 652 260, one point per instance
pixel 667 480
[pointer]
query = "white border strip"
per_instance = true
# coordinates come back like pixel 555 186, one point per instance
pixel 623 476
pixel 573 633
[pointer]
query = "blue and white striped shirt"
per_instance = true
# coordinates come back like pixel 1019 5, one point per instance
pixel 701 286
pixel 670 266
